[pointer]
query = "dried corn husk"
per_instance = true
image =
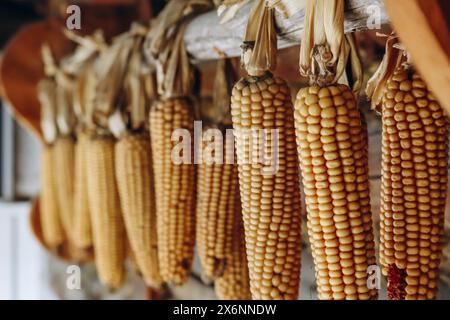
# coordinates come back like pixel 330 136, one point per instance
pixel 376 85
pixel 325 50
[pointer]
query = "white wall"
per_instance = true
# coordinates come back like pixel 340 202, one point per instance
pixel 23 263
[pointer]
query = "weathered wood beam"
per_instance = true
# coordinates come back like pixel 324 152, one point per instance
pixel 205 32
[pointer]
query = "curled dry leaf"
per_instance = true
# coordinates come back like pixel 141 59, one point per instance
pixel 325 50
pixel 260 40
pixel 376 85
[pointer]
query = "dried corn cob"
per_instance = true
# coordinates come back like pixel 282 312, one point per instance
pixel 135 181
pixel 64 154
pixel 106 217
pixel 414 185
pixel 234 283
pixel 216 191
pixel 174 190
pixel 82 231
pixel 270 200
pixel 52 230
pixel 263 122
pixel 332 147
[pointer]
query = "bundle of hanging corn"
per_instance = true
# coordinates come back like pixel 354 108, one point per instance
pixel 263 122
pixel 133 166
pixel 414 176
pixel 171 117
pixel 332 149
pixel 107 219
pixel 220 236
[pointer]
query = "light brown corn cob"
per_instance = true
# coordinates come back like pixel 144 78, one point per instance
pixel 414 185
pixel 174 190
pixel 217 186
pixel 64 153
pixel 134 174
pixel 52 230
pixel 107 225
pixel 332 148
pixel 269 190
pixel 82 231
pixel 234 284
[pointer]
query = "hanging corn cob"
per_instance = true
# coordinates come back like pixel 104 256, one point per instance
pixel 233 284
pixel 134 170
pixel 414 176
pixel 64 152
pixel 104 205
pixel 263 123
pixel 172 114
pixel 83 98
pixel 53 233
pixel 103 195
pixel 217 186
pixel 332 149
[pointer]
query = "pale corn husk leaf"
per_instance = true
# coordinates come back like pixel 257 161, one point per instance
pixel 376 85
pixel 224 80
pixel 46 95
pixel 260 40
pixel 110 70
pixel 65 117
pixel 88 47
pixel 175 76
pixel 166 50
pixel 173 14
pixel 325 50
pixel 84 93
pixel 48 60
pixel 228 9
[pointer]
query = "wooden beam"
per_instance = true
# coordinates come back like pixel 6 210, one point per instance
pixel 422 27
pixel 205 32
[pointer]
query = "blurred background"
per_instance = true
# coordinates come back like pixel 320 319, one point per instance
pixel 27 271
